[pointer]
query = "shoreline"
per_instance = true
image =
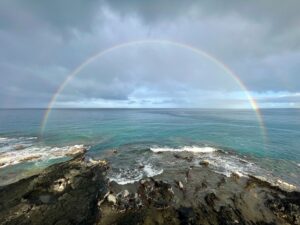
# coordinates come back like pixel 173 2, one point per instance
pixel 78 192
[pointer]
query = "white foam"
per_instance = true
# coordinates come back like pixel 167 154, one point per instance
pixel 130 176
pixel 126 176
pixel 3 139
pixel 151 171
pixel 124 180
pixel 284 185
pixel 35 153
pixel 228 164
pixel 195 149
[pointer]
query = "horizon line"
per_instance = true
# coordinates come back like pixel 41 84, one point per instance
pixel 45 108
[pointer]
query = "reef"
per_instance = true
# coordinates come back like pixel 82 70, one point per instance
pixel 78 192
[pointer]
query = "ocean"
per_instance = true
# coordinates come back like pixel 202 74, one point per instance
pixel 265 145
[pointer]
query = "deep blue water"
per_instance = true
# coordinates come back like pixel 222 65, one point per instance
pixel 236 130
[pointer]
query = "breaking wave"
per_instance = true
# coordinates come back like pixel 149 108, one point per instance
pixel 25 149
pixel 129 176
pixel 195 149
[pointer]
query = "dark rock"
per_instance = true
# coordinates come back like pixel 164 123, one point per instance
pixel 49 198
pixel 287 208
pixel 210 199
pixel 187 158
pixel 187 216
pixel 141 166
pixel 77 192
pixel 158 194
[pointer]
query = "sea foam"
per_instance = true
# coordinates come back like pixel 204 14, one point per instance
pixel 195 149
pixel 30 153
pixel 130 176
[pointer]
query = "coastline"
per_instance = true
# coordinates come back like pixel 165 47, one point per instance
pixel 78 191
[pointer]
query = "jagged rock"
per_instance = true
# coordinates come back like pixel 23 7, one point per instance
pixel 76 150
pixel 287 208
pixel 47 198
pixel 155 193
pixel 77 192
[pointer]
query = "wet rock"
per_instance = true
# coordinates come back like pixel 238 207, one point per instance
pixel 158 194
pixel 47 198
pixel 287 208
pixel 141 166
pixel 19 147
pixel 30 158
pixel 210 199
pixel 227 215
pixel 177 156
pixel 187 216
pixel 184 157
pixel 76 150
pixel 285 185
pixel 235 175
pixel 204 163
pixel 77 192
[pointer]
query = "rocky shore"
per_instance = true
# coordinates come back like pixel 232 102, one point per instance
pixel 78 192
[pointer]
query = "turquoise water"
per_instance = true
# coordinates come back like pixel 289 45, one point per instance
pixel 236 131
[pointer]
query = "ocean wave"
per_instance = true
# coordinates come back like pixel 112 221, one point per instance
pixel 16 143
pixel 129 176
pixel 38 153
pixel 126 176
pixel 151 171
pixel 220 161
pixel 195 149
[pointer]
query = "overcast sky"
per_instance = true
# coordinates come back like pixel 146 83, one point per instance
pixel 41 42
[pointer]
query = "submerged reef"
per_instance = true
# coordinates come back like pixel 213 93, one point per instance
pixel 78 192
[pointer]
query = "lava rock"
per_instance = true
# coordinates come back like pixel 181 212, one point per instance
pixel 48 198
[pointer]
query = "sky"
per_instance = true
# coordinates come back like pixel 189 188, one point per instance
pixel 256 43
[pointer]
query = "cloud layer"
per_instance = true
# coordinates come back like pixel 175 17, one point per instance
pixel 42 42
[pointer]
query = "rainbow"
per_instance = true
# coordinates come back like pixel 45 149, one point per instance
pixel 195 50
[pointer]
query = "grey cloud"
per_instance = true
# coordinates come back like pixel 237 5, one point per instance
pixel 56 14
pixel 41 42
pixel 279 14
